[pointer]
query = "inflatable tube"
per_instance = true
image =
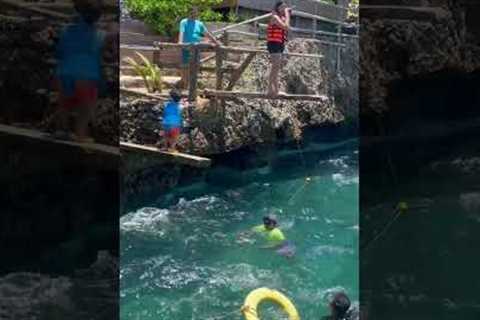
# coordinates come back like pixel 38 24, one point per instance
pixel 259 295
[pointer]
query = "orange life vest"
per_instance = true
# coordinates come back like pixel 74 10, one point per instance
pixel 275 33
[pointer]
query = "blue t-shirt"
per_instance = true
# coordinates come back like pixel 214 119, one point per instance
pixel 172 115
pixel 79 52
pixel 193 30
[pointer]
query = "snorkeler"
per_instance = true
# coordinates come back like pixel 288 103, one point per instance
pixel 274 237
pixel 342 309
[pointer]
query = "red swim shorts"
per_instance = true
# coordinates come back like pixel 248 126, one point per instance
pixel 173 133
pixel 85 93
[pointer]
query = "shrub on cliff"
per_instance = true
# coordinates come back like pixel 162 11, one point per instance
pixel 164 15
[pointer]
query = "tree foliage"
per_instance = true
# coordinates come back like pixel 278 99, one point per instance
pixel 165 15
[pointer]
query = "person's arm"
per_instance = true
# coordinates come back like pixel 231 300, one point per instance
pixel 181 32
pixel 283 24
pixel 208 34
pixel 212 38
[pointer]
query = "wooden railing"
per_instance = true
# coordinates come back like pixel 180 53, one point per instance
pixel 221 53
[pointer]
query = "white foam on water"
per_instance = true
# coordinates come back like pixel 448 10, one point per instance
pixel 341 179
pixel 145 220
pixel 331 250
pixel 470 202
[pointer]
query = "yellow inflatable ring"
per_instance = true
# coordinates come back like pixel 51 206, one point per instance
pixel 259 295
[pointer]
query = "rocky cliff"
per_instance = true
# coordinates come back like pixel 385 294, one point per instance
pixel 247 122
pixel 408 40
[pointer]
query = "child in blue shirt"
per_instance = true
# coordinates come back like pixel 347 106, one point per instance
pixel 172 120
pixel 79 70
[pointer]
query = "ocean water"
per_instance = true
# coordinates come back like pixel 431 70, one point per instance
pixel 425 265
pixel 183 259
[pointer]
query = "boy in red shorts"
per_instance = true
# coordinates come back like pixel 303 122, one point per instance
pixel 172 120
pixel 78 73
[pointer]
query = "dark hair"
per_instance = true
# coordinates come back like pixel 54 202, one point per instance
pixel 279 4
pixel 90 10
pixel 340 305
pixel 175 95
pixel 270 220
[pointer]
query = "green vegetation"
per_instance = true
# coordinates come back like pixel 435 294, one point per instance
pixel 149 72
pixel 353 9
pixel 165 15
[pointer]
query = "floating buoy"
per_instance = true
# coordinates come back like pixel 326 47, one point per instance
pixel 259 295
pixel 402 206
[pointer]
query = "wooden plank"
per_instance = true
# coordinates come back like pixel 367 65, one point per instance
pixel 319 32
pixel 194 69
pixel 219 65
pixel 254 50
pixel 206 46
pixel 142 94
pixel 206 59
pixel 43 137
pixel 238 72
pixel 175 157
pixel 233 26
pixel 317 17
pixel 261 95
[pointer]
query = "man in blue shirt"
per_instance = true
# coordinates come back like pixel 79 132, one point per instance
pixel 193 31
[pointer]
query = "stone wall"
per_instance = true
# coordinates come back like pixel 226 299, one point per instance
pixel 409 39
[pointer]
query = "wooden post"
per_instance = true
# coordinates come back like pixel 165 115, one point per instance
pixel 219 66
pixel 193 74
pixel 339 39
pixel 225 38
pixel 238 72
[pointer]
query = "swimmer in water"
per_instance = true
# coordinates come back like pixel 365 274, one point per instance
pixel 274 237
pixel 342 309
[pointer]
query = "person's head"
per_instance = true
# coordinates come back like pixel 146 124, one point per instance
pixel 89 10
pixel 339 305
pixel 175 95
pixel 194 12
pixel 280 7
pixel 270 221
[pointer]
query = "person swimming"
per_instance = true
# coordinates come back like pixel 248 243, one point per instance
pixel 342 309
pixel 273 236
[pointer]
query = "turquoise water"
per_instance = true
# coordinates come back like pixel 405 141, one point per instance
pixel 183 260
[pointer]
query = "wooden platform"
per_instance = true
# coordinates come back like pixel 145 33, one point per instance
pixel 177 157
pixel 32 134
pixel 144 94
pixel 261 95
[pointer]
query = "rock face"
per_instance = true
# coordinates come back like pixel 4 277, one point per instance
pixel 413 39
pixel 242 122
pixel 91 294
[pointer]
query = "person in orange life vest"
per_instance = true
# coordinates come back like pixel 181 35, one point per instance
pixel 277 32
